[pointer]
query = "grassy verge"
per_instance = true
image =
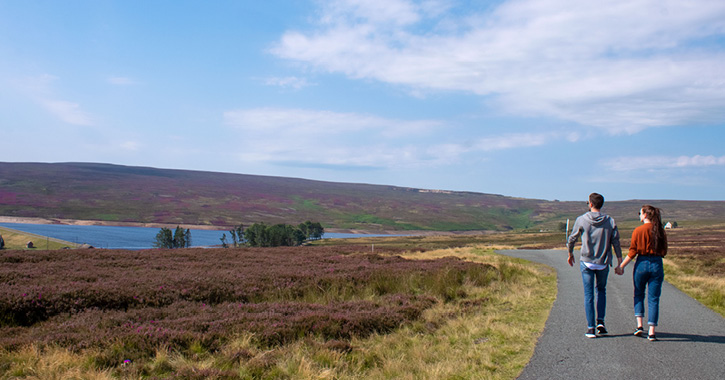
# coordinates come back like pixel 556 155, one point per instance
pixel 695 264
pixel 488 332
pixel 18 240
pixel 693 280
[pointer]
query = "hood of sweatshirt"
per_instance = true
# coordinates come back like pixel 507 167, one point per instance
pixel 596 218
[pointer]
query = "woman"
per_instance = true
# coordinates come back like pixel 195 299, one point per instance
pixel 649 244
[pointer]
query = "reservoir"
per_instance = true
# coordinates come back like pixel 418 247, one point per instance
pixel 113 237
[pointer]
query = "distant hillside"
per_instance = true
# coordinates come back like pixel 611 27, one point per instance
pixel 113 193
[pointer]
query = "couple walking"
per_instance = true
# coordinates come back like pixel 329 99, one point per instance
pixel 599 236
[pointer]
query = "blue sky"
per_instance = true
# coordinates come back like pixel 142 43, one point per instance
pixel 540 99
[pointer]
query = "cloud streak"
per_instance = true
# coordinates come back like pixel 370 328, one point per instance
pixel 336 140
pixel 68 112
pixel 622 66
pixel 39 89
pixel 294 83
pixel 623 164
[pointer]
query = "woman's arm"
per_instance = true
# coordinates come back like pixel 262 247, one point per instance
pixel 633 249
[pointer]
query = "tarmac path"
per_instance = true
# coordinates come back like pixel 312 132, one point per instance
pixel 691 337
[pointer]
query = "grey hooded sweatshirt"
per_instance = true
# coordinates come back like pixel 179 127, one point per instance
pixel 599 234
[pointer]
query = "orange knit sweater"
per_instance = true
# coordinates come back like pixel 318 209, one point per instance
pixel 641 237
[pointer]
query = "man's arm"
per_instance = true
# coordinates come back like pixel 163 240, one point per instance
pixel 571 241
pixel 615 243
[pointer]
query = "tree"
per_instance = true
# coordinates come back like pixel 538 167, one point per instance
pixel 312 230
pixel 305 228
pixel 261 235
pixel 237 235
pixel 317 231
pixel 164 239
pixel 180 238
pixel 224 241
pixel 187 237
pixel 298 236
pixel 257 235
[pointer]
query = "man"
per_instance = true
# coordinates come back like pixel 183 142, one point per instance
pixel 599 235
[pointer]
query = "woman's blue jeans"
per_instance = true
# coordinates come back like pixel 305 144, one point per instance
pixel 648 276
pixel 595 282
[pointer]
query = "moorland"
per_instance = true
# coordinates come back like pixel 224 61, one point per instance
pixel 429 306
pixel 122 195
pixel 423 307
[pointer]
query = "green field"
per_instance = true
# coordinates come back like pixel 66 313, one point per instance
pixel 19 240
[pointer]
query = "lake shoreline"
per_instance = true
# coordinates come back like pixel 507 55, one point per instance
pixel 79 222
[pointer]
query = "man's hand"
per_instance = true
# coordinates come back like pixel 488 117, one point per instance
pixel 619 270
pixel 570 260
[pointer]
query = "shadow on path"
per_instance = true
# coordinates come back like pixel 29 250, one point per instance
pixel 674 337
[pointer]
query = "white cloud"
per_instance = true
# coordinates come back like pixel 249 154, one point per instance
pixel 39 89
pixel 302 122
pixel 662 162
pixel 516 140
pixel 288 82
pixel 68 112
pixel 330 139
pixel 349 140
pixel 619 65
pixel 130 145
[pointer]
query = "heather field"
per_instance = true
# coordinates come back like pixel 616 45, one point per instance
pixel 695 263
pixel 304 312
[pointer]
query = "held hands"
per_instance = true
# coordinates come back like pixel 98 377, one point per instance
pixel 570 260
pixel 619 269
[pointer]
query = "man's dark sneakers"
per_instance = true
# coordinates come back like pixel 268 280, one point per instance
pixel 590 334
pixel 601 330
pixel 652 338
pixel 639 331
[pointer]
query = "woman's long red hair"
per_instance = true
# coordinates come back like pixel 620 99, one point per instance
pixel 659 239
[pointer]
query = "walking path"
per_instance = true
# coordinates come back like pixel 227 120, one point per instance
pixel 691 337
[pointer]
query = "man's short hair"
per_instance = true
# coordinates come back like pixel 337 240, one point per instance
pixel 597 200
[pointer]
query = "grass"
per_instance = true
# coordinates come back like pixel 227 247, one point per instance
pixel 512 240
pixel 18 240
pixel 710 291
pixel 695 263
pixel 488 334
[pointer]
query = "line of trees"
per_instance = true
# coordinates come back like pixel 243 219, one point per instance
pixel 180 238
pixel 262 235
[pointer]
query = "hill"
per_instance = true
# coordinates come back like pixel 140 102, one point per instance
pixel 117 194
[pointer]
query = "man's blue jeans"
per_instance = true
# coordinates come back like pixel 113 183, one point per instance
pixel 595 281
pixel 648 275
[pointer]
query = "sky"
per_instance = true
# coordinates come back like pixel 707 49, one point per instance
pixel 545 99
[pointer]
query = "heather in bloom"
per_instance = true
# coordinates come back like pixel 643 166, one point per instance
pixel 141 300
